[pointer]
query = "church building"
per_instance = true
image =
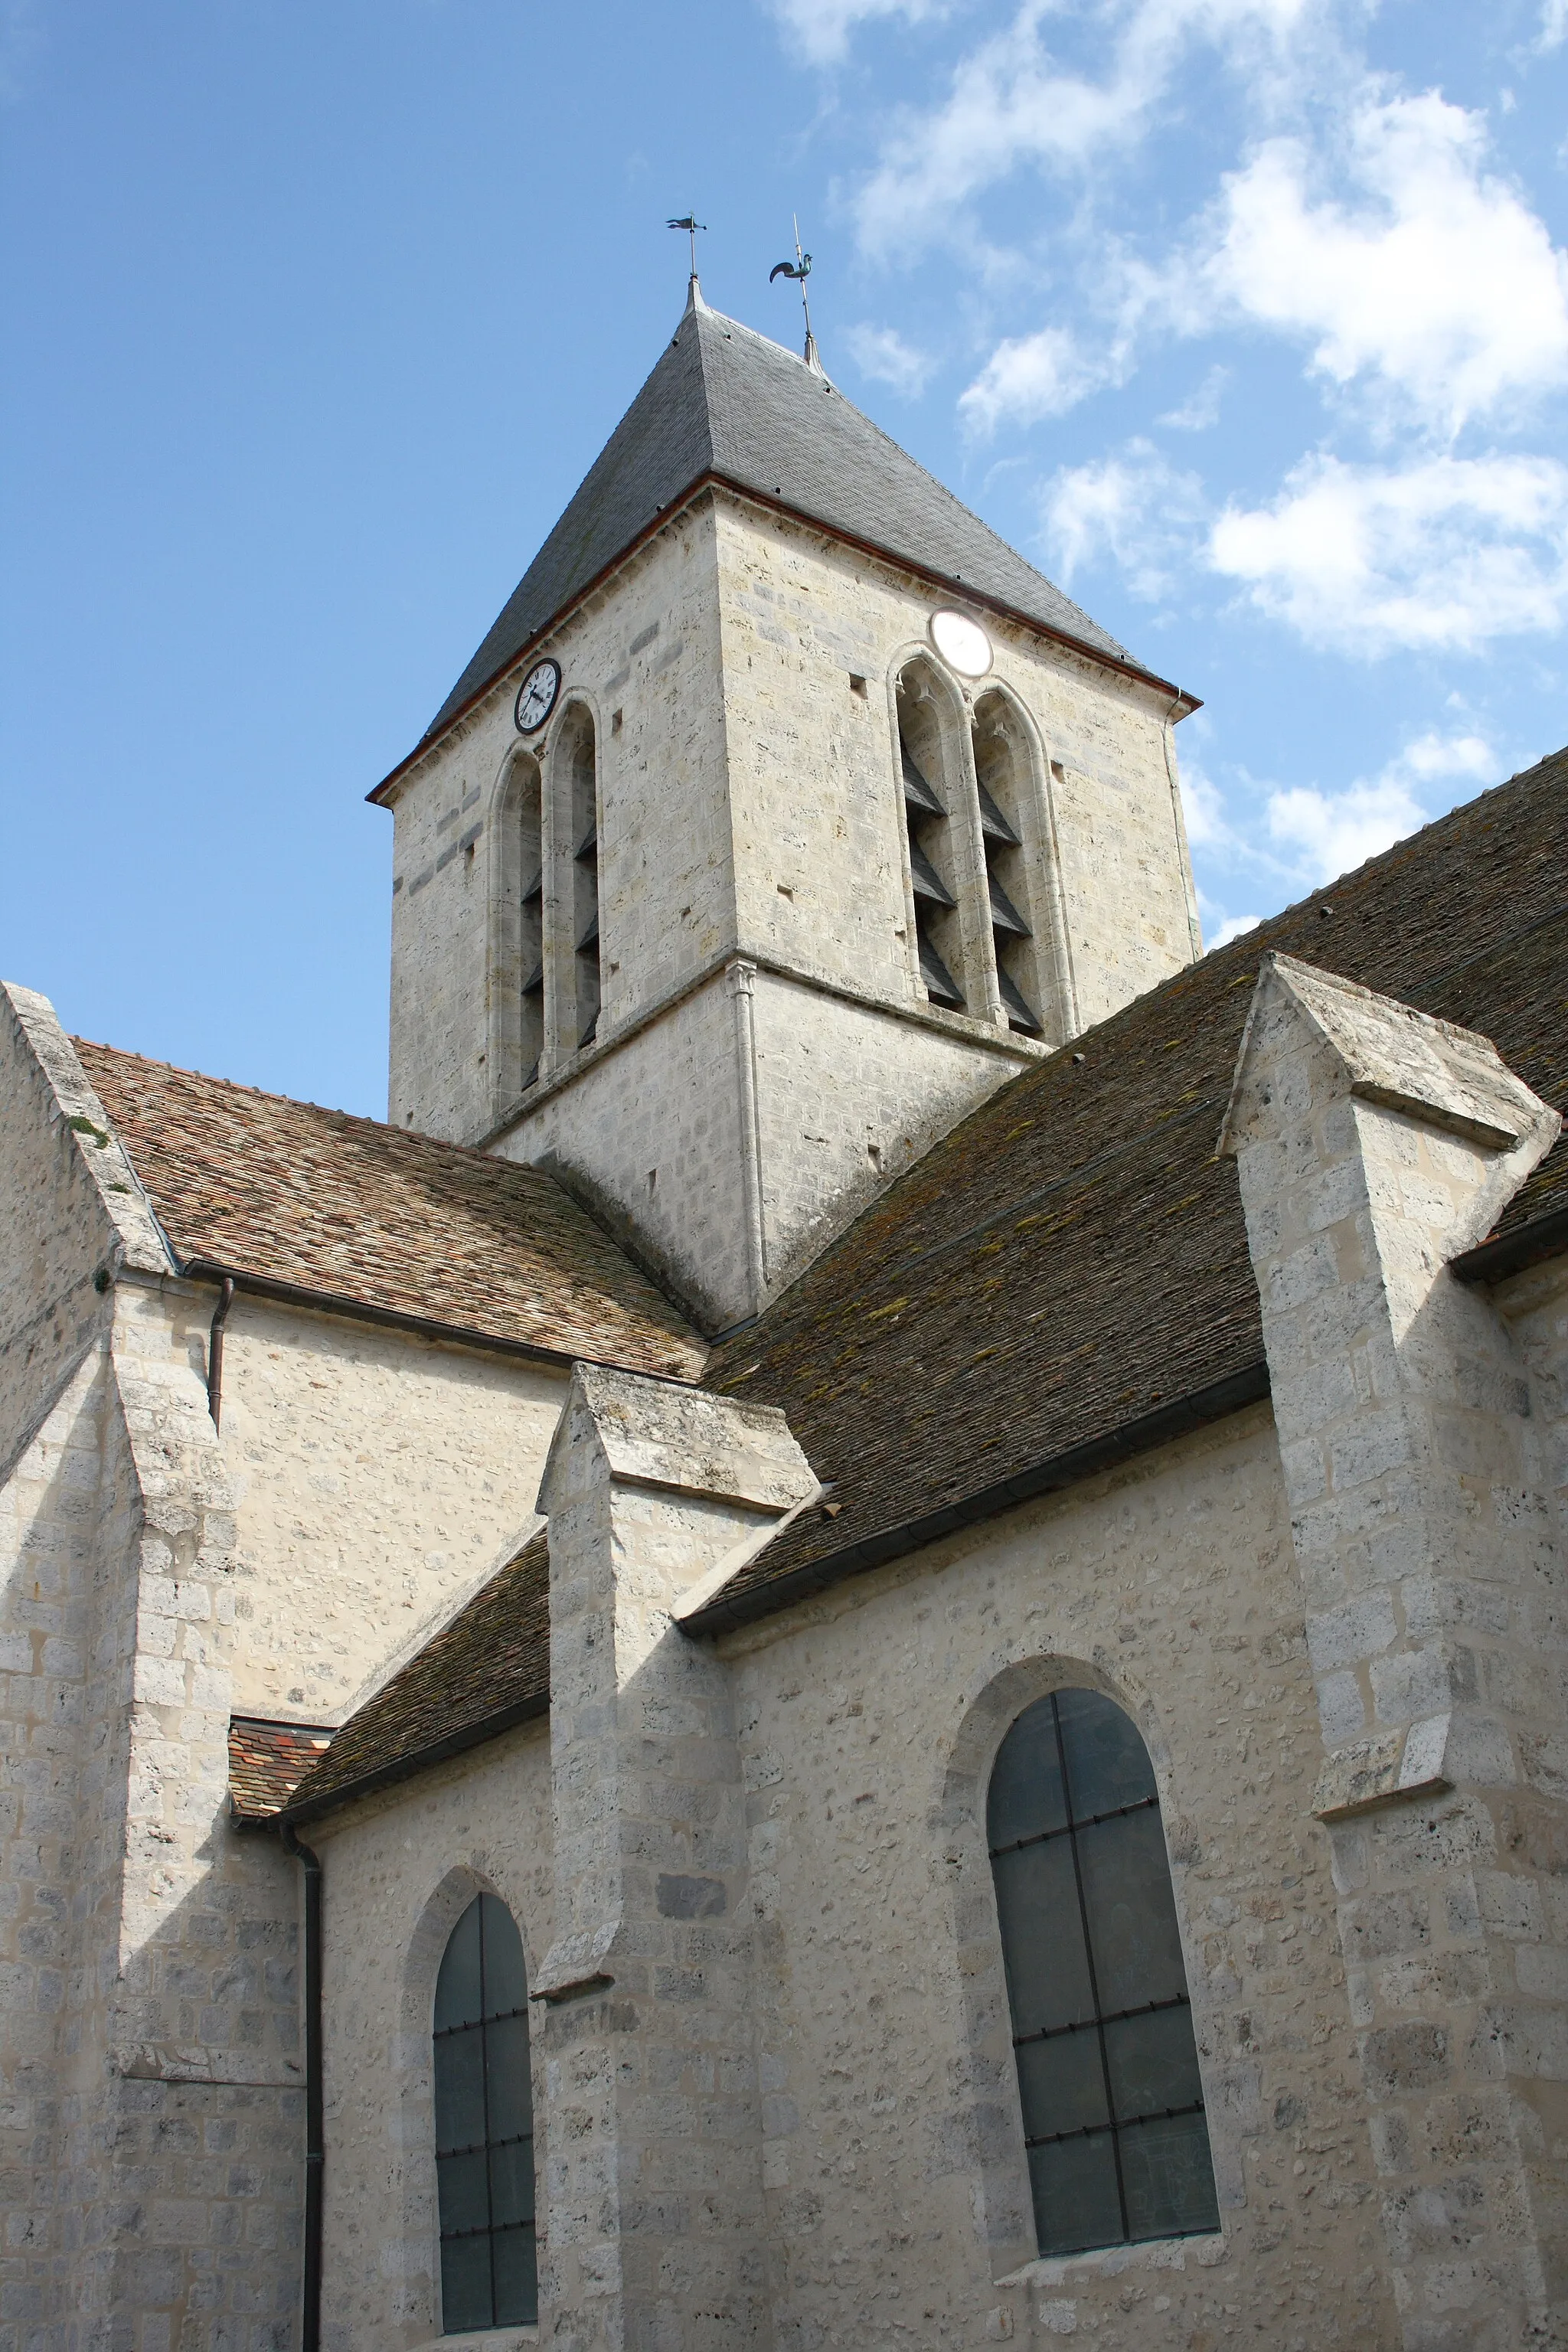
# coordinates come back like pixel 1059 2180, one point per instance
pixel 862 1640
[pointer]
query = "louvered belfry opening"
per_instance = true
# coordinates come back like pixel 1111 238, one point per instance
pixel 584 890
pixel 518 972
pixel 1000 770
pixel 1109 2082
pixel 530 834
pixel 933 874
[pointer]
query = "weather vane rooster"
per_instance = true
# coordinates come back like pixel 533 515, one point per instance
pixel 800 269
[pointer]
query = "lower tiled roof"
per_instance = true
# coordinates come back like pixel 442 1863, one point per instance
pixel 266 1761
pixel 289 1193
pixel 1064 1279
pixel 1072 1261
pixel 485 1671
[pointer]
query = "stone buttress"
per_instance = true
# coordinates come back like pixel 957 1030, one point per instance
pixel 1375 1145
pixel 645 2025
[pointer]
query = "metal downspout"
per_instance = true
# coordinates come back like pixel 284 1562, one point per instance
pixel 311 2328
pixel 215 1347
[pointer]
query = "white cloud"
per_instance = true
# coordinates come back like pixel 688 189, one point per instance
pixel 1200 410
pixel 1330 833
pixel 1203 810
pixel 1553 24
pixel 1010 104
pixel 1134 508
pixel 823 28
pixel 882 354
pixel 1443 555
pixel 1034 376
pixel 1434 282
pixel 1233 928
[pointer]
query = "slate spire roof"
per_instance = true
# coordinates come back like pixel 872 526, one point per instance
pixel 725 404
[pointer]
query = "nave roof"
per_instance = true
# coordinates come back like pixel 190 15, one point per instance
pixel 1065 1280
pixel 288 1197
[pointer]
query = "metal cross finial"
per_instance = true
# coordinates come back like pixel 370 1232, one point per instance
pixel 689 222
pixel 799 268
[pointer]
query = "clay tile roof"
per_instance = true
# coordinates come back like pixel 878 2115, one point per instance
pixel 485 1671
pixel 1057 1281
pixel 725 402
pixel 268 1759
pixel 366 1214
pixel 1065 1279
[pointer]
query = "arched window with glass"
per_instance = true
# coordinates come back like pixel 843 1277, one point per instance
pixel 1102 2025
pixel 484 2124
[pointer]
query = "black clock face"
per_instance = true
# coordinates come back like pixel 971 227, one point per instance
pixel 536 697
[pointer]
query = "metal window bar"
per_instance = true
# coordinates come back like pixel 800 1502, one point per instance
pixel 1088 2024
pixel 496 2230
pixel 1122 2123
pixel 473 2149
pixel 1089 1822
pixel 467 2026
pixel 1088 1961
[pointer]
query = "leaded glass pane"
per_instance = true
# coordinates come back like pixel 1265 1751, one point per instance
pixel 484 2124
pixel 1109 2083
pixel 463 2196
pixel 1042 1936
pixel 511 2183
pixel 460 2089
pixel 517 2277
pixel 466 2283
pixel 508 2085
pixel 506 1976
pixel 1076 2199
pixel 1026 1795
pixel 1152 2062
pixel 458 1994
pixel 1062 2083
pixel 1108 1764
pixel 1169 2177
pixel 1132 1929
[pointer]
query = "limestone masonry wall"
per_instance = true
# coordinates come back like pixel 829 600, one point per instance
pixel 896 2200
pixel 377 1481
pixel 814 784
pixel 398 1871
pixel 644 653
pixel 847 1098
pixel 898 2205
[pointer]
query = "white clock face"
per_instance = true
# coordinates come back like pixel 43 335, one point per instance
pixel 536 697
pixel 962 643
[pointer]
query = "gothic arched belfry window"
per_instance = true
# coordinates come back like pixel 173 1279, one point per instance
pixel 1102 2028
pixel 484 2124
pixel 947 925
pixel 580 981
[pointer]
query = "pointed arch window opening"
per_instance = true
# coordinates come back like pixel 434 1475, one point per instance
pixel 582 1025
pixel 518 979
pixel 1111 2098
pixel 1008 878
pixel 939 941
pixel 484 2126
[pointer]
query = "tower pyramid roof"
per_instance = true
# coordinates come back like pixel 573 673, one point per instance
pixel 727 405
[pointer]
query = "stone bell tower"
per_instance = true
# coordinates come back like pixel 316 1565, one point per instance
pixel 784 813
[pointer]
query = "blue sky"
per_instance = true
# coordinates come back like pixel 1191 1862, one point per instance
pixel 1246 319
